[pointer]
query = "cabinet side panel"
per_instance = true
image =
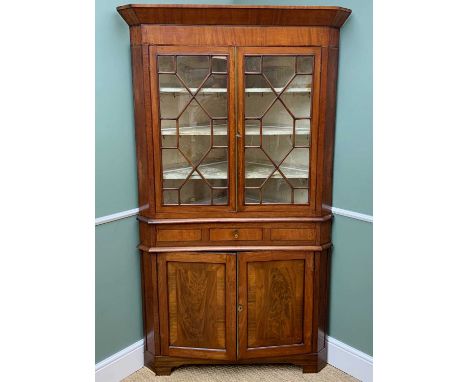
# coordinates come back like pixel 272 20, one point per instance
pixel 321 284
pixel 327 129
pixel 330 116
pixel 147 300
pixel 155 305
pixel 140 128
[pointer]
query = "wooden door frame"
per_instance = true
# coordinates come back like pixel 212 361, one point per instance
pixel 154 50
pixel 229 353
pixel 314 136
pixel 244 352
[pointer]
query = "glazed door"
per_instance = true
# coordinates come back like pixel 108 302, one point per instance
pixel 197 298
pixel 192 92
pixel 278 98
pixel 275 303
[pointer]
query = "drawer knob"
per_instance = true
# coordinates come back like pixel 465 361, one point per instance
pixel 236 234
pixel 240 307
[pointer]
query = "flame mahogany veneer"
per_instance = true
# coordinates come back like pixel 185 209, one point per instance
pixel 237 284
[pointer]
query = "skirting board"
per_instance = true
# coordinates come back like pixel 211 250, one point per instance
pixel 121 364
pixel 127 361
pixel 350 360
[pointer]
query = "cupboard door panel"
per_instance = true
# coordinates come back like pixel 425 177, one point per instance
pixel 275 303
pixel 197 304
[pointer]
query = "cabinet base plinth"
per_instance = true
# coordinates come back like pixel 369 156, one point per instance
pixel 310 363
pixel 163 370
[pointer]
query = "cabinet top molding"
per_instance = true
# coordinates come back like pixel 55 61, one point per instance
pixel 260 15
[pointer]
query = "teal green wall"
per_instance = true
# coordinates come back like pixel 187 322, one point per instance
pixel 118 299
pixel 351 283
pixel 118 302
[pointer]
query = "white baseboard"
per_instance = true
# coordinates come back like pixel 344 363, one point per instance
pixel 120 365
pixel 350 360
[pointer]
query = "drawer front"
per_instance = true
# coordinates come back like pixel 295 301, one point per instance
pixel 293 234
pixel 179 235
pixel 227 234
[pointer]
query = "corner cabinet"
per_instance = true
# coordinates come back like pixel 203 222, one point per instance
pixel 234 119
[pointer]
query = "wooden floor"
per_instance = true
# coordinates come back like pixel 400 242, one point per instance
pixel 258 373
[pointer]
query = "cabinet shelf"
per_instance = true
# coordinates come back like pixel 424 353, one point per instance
pixel 222 130
pixel 218 170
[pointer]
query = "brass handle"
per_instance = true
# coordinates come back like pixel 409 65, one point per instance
pixel 236 234
pixel 240 307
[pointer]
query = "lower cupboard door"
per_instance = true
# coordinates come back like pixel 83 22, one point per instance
pixel 275 303
pixel 197 304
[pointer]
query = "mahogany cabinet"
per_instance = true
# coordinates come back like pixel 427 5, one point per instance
pixel 234 119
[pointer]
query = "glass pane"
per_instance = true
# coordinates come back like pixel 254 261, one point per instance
pixel 213 96
pixel 174 97
pixel 195 191
pixel 301 196
pixel 302 132
pixel 214 167
pixel 305 64
pixel 279 70
pixel 276 190
pixel 194 147
pixel 195 132
pixel 252 196
pixel 253 64
pixel 168 133
pixel 173 160
pixel 252 132
pixel 220 129
pixel 277 132
pixel 194 120
pixel 193 70
pixel 257 167
pixel 166 64
pixel 297 97
pixel 219 64
pixel 220 196
pixel 258 96
pixel 171 197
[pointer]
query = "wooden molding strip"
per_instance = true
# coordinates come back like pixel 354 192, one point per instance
pixel 353 215
pixel 201 14
pixel 238 248
pixel 134 212
pixel 116 216
pixel 235 220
